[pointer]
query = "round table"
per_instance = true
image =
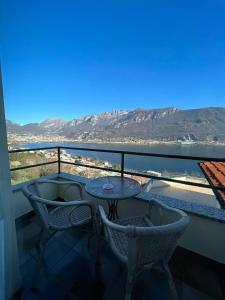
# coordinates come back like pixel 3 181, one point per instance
pixel 122 188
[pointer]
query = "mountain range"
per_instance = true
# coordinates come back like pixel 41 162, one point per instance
pixel 166 124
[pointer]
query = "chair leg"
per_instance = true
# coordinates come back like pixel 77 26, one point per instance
pixel 38 244
pixel 43 240
pixel 40 264
pixel 121 267
pixel 171 281
pixel 98 249
pixel 99 234
pixel 90 235
pixel 88 241
pixel 129 286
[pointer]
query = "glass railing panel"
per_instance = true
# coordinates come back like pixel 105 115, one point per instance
pixel 94 159
pixel 86 171
pixel 166 167
pixel 27 158
pixel 24 175
pixel 182 170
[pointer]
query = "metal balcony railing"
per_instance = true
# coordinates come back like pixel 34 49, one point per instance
pixel 122 170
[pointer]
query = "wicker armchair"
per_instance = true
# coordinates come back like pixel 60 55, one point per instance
pixel 145 241
pixel 55 215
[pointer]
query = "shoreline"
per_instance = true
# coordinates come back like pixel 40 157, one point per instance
pixel 141 143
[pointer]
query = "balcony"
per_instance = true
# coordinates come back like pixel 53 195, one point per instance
pixel 197 265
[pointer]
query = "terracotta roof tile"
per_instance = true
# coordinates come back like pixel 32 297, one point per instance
pixel 215 174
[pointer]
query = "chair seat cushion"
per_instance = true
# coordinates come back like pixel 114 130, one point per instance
pixel 69 216
pixel 120 239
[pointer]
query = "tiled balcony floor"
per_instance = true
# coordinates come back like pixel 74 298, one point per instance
pixel 71 272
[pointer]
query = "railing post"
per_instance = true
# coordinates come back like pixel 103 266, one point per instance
pixel 59 160
pixel 122 164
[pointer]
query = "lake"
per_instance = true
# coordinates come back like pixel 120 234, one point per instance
pixel 148 163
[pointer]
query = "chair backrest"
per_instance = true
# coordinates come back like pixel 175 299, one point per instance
pixel 30 190
pixel 40 193
pixel 157 243
pixel 69 192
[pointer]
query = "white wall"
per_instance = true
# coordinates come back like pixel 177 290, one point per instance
pixel 205 237
pixel 10 263
pixel 2 260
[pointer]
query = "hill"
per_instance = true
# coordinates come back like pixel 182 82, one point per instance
pixel 168 124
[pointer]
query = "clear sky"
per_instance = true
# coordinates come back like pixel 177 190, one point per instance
pixel 69 58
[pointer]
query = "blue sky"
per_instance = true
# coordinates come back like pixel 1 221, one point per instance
pixel 73 58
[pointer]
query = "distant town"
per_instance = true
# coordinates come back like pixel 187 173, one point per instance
pixel 140 126
pixel 18 139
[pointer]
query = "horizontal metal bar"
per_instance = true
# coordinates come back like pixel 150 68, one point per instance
pixel 221 188
pixel 33 166
pixel 31 149
pixel 147 154
pixel 89 166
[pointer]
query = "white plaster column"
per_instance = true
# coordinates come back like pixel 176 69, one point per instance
pixel 9 263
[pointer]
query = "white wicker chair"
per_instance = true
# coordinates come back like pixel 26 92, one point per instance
pixel 56 215
pixel 145 241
